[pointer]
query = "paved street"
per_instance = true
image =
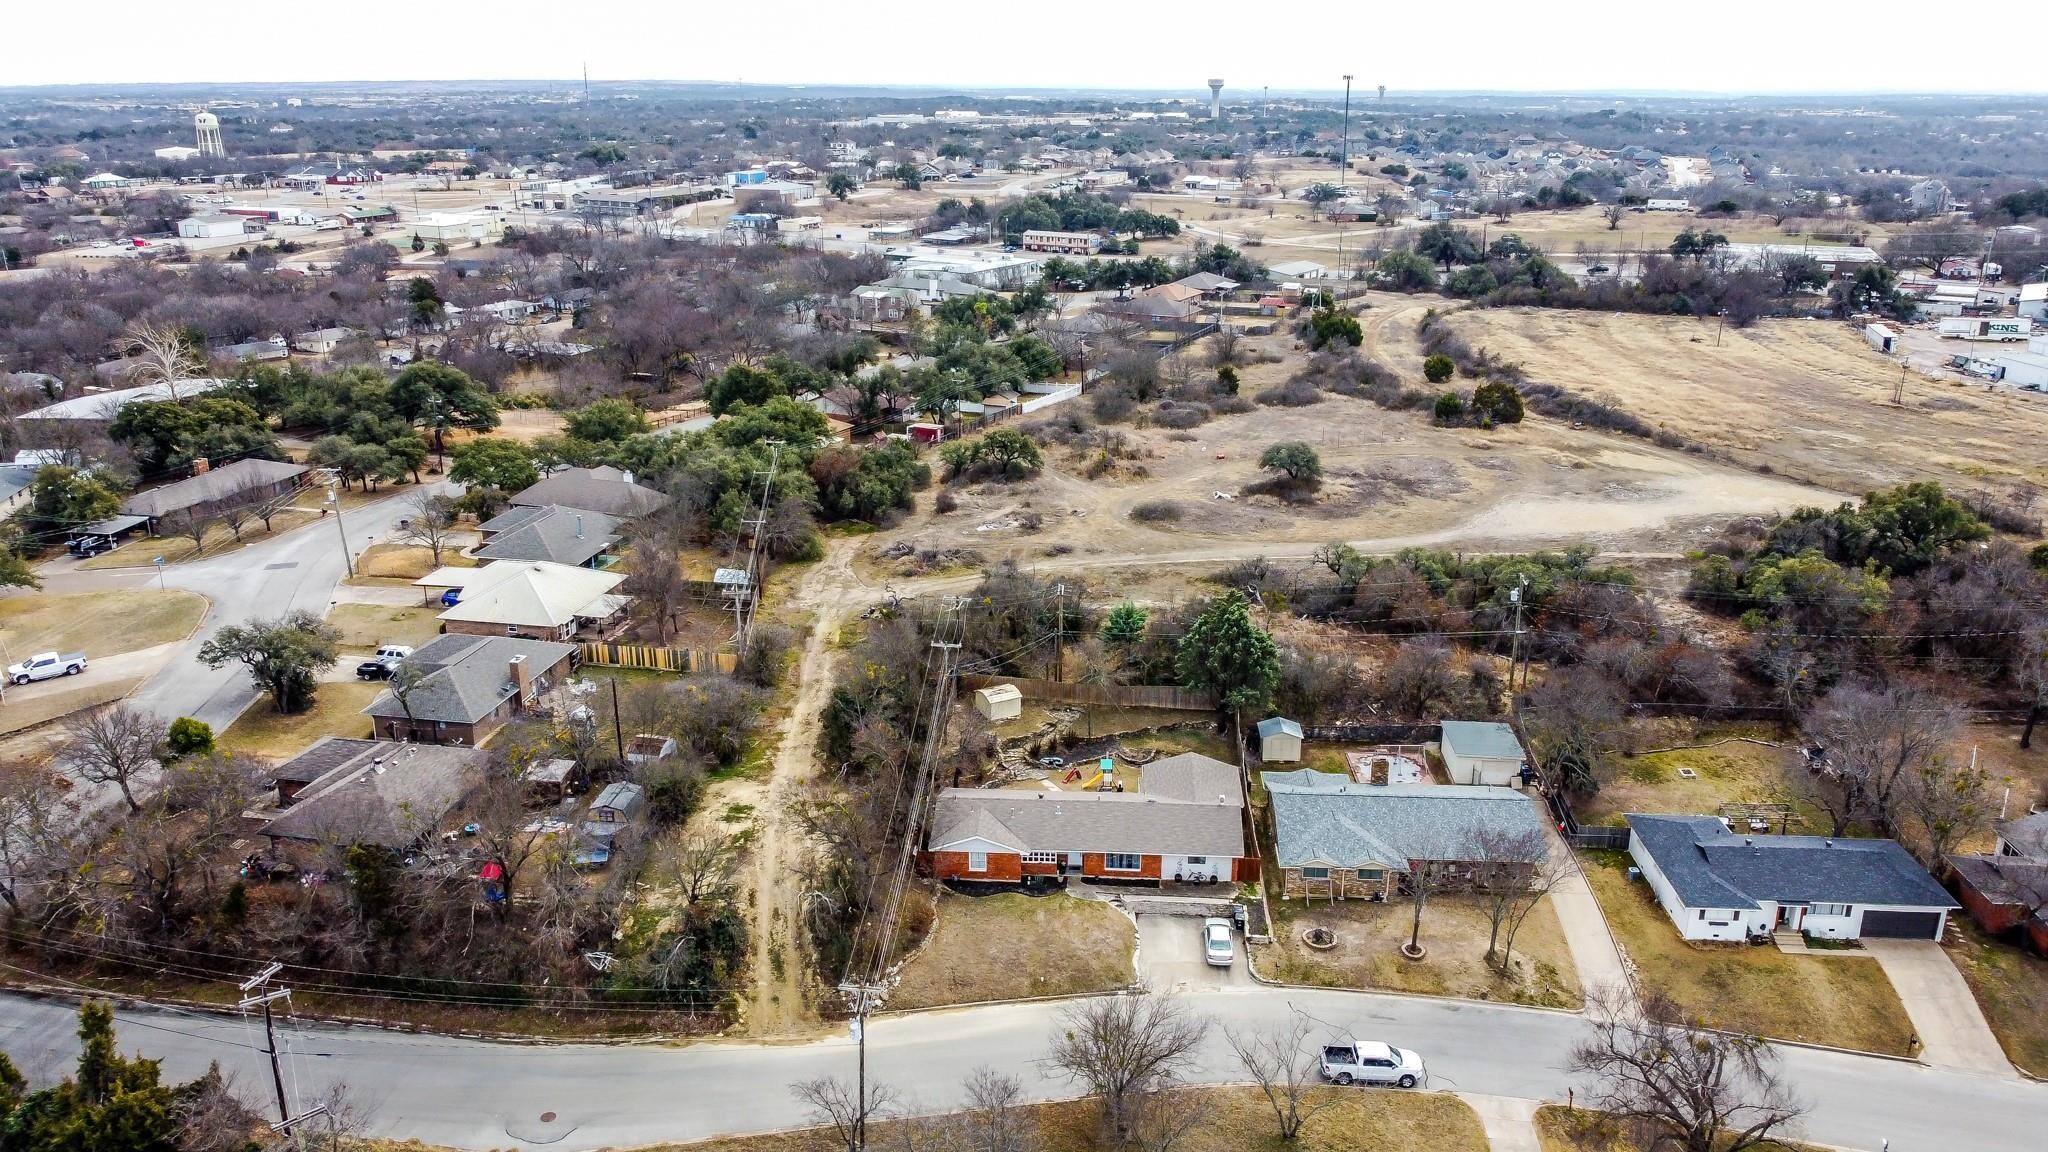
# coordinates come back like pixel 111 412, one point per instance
pixel 476 1095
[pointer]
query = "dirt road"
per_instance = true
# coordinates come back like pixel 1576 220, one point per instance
pixel 777 1003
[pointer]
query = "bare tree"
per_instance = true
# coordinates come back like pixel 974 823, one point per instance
pixel 1949 800
pixel 657 580
pixel 994 1119
pixel 236 513
pixel 1613 214
pixel 1124 1049
pixel 114 744
pixel 1283 1064
pixel 163 357
pixel 31 834
pixel 1674 1085
pixel 844 1109
pixel 1512 871
pixel 1877 739
pixel 706 866
pixel 432 522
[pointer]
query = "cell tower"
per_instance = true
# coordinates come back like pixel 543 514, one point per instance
pixel 206 127
pixel 1215 99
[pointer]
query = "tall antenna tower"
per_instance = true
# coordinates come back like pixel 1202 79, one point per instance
pixel 586 81
pixel 206 131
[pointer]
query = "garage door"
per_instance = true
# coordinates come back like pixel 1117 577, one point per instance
pixel 1901 925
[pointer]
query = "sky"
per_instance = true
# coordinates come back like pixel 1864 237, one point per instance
pixel 1728 46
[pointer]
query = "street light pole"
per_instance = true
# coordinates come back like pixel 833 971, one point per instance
pixel 342 528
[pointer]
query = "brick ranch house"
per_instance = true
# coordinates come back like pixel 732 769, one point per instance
pixel 1185 823
pixel 2006 890
pixel 1339 839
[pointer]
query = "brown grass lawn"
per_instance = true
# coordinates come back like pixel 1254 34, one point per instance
pixel 1734 772
pixel 2012 987
pixel 366 626
pixel 336 711
pixel 139 552
pixel 1564 1129
pixel 1009 945
pixel 1839 998
pixel 98 623
pixel 1236 1119
pixel 1454 930
pixel 406 561
pixel 23 713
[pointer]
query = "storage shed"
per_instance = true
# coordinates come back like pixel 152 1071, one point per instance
pixel 999 702
pixel 1280 740
pixel 1481 753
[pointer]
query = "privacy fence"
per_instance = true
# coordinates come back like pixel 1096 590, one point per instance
pixel 1098 695
pixel 656 659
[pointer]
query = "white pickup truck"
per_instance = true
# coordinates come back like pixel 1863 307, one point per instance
pixel 44 665
pixel 1371 1062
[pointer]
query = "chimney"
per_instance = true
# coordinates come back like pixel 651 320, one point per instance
pixel 628 477
pixel 522 677
pixel 201 465
pixel 1380 770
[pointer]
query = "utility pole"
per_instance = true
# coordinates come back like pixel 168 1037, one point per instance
pixel 1346 177
pixel 1515 653
pixel 342 528
pixel 1059 632
pixel 264 998
pixel 618 731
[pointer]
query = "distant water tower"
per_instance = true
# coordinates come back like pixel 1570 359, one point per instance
pixel 1215 99
pixel 206 126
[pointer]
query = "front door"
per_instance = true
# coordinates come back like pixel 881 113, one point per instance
pixel 1791 915
pixel 1073 862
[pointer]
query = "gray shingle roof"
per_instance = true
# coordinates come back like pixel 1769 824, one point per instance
pixel 223 482
pixel 1192 778
pixel 604 489
pixel 1145 823
pixel 1481 738
pixel 1326 820
pixel 1711 867
pixel 2027 835
pixel 556 534
pixel 389 793
pixel 467 677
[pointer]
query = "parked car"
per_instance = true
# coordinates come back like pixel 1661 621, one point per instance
pixel 88 546
pixel 46 665
pixel 1216 945
pixel 1371 1062
pixel 1597 269
pixel 376 669
pixel 451 597
pixel 393 652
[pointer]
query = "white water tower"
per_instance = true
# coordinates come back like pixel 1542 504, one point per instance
pixel 1215 99
pixel 206 127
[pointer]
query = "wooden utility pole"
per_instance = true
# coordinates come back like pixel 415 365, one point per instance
pixel 1059 632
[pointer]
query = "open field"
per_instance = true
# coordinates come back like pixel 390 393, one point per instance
pixel 1454 930
pixel 1838 999
pixel 98 623
pixel 1009 945
pixel 336 711
pixel 1392 480
pixel 2011 987
pixel 1735 772
pixel 1234 1119
pixel 367 626
pixel 407 561
pixel 1806 398
pixel 24 712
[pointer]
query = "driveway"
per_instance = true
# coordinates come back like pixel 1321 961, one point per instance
pixel 1951 1027
pixel 1170 957
pixel 1585 929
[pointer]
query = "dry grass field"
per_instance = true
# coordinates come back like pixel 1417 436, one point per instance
pixel 1009 945
pixel 336 711
pixel 1807 399
pixel 99 623
pixel 1454 930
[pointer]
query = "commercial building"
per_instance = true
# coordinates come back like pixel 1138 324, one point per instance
pixel 643 201
pixel 212 227
pixel 1071 243
pixel 989 271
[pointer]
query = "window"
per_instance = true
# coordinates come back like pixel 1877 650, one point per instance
pixel 1829 910
pixel 1041 857
pixel 977 861
pixel 1315 873
pixel 1372 874
pixel 1122 862
pixel 1198 859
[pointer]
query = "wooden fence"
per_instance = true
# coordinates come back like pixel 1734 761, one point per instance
pixel 1099 695
pixel 1385 733
pixel 652 658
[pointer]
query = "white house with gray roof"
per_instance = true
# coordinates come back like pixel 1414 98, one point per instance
pixel 1337 838
pixel 1716 884
pixel 1185 823
pixel 1481 752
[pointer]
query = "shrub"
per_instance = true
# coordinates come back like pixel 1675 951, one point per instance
pixel 1499 402
pixel 1230 406
pixel 1449 409
pixel 1113 402
pixel 1328 325
pixel 187 737
pixel 1226 377
pixel 946 502
pixel 1295 393
pixel 1156 511
pixel 1170 415
pixel 1293 457
pixel 1438 368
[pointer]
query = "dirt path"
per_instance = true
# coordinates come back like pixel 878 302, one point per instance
pixel 777 1003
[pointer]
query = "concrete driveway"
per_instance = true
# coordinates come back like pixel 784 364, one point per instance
pixel 1945 1015
pixel 1170 957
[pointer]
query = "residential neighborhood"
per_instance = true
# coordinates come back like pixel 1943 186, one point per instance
pixel 1025 605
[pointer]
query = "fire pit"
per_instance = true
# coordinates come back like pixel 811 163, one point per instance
pixel 1319 938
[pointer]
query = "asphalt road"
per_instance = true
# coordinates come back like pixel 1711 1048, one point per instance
pixel 298 569
pixel 476 1095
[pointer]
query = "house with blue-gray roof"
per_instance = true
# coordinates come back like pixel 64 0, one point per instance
pixel 1717 884
pixel 1342 839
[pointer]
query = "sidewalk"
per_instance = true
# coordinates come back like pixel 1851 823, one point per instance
pixel 1951 1027
pixel 1510 1121
pixel 1585 929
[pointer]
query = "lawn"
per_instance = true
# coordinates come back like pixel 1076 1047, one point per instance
pixel 142 551
pixel 2012 987
pixel 1564 1129
pixel 98 623
pixel 1234 1119
pixel 367 626
pixel 407 561
pixel 1839 998
pixel 1454 930
pixel 1009 945
pixel 336 711
pixel 1736 772
pixel 23 712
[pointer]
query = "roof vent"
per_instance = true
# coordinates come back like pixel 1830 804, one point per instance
pixel 1827 843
